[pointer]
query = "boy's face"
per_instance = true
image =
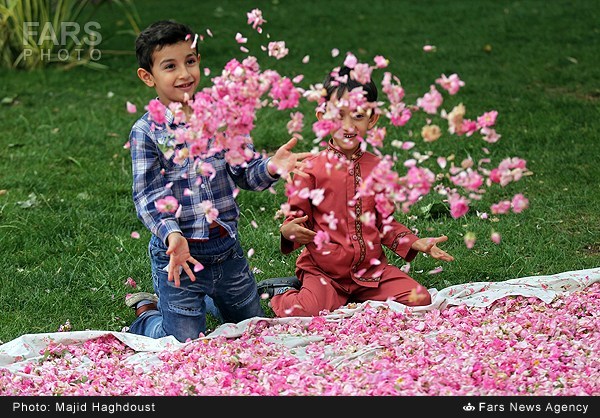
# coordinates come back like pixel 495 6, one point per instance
pixel 354 124
pixel 175 72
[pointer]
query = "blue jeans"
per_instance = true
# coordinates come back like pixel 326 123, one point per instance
pixel 226 278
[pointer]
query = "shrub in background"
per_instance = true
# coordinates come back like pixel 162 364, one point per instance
pixel 38 33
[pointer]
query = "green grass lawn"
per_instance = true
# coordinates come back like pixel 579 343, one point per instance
pixel 66 212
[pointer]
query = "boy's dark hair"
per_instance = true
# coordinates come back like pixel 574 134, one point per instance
pixel 333 84
pixel 156 36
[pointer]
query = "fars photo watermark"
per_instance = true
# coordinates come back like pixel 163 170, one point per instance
pixel 65 41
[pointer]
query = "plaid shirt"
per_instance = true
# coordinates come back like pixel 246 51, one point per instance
pixel 155 177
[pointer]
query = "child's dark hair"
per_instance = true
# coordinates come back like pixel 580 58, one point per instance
pixel 333 84
pixel 156 36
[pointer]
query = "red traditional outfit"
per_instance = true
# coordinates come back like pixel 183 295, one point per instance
pixel 352 267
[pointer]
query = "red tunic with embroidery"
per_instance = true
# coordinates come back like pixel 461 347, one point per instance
pixel 353 246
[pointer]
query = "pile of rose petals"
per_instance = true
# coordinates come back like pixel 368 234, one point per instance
pixel 516 346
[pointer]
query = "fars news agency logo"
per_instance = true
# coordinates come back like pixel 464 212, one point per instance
pixel 63 42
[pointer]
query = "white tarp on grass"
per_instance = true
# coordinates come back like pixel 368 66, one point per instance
pixel 25 349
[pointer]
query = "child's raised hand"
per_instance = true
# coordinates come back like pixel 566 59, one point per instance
pixel 285 161
pixel 296 232
pixel 429 246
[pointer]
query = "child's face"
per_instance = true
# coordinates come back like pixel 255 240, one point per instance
pixel 175 72
pixel 354 125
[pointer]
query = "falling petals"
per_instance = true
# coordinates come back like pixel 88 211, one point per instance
pixel 380 61
pixel 350 60
pixel 131 108
pixel 451 84
pixel 240 39
pixel 519 203
pixel 209 210
pixel 496 238
pixel 224 116
pixel 277 49
pixel 193 45
pixel 167 205
pixel 436 270
pixel 321 239
pixel 157 111
pixel 470 239
pixel 255 18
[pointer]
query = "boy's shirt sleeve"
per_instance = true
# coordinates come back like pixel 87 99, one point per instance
pixel 253 175
pixel 149 184
pixel 398 238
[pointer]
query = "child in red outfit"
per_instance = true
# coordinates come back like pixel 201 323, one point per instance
pixel 351 265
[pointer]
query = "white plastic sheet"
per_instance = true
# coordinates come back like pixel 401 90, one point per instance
pixel 16 353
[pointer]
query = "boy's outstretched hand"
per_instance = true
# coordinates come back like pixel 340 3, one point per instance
pixel 285 161
pixel 179 253
pixel 429 246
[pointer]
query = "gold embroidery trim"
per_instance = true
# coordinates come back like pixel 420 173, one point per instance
pixel 397 240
